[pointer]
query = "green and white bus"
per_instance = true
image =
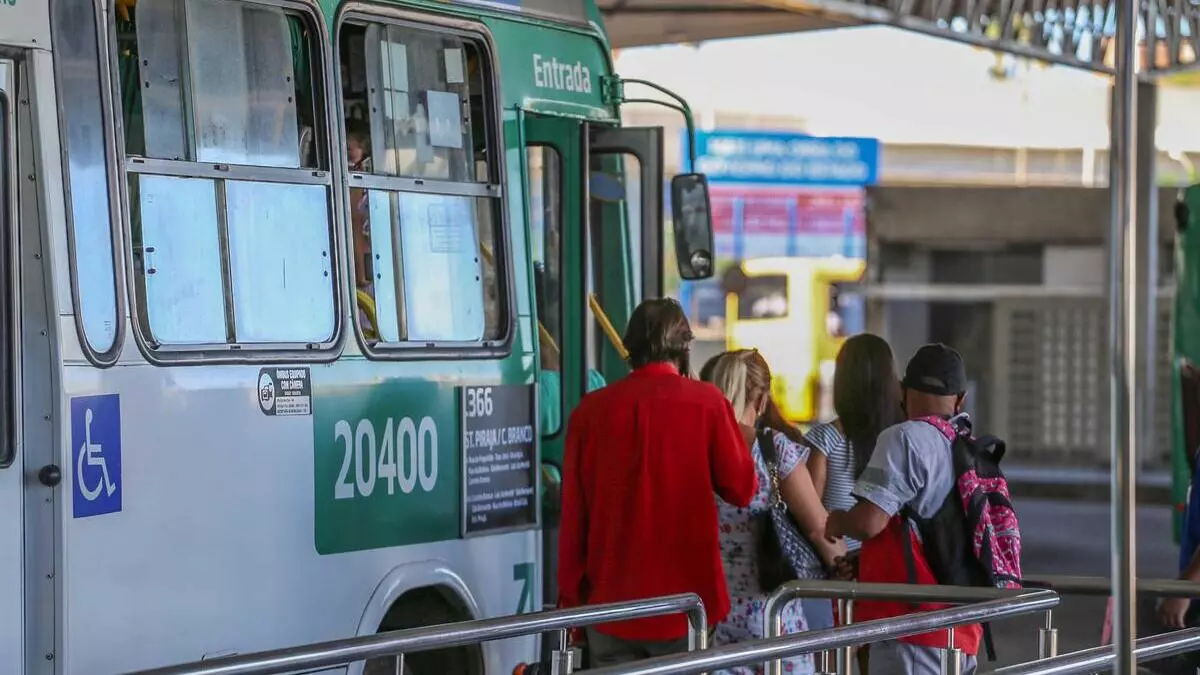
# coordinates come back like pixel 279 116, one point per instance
pixel 284 287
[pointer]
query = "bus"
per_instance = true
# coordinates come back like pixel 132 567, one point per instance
pixel 283 282
pixel 797 311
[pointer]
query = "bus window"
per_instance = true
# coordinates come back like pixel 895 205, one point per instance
pixel 845 314
pixel 231 226
pixel 764 297
pixel 91 208
pixel 545 212
pixel 425 252
pixel 615 196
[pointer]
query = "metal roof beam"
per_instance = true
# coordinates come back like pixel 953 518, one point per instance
pixel 1076 33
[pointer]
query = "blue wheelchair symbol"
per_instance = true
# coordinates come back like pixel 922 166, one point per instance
pixel 96 455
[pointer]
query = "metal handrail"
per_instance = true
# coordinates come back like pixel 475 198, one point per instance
pixel 850 591
pixel 350 650
pixel 847 592
pixel 1101 658
pixel 1101 586
pixel 769 649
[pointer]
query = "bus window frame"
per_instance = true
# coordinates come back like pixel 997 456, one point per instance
pixel 9 216
pixel 111 132
pixel 356 12
pixel 241 352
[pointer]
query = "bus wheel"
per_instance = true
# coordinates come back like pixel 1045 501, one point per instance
pixel 428 607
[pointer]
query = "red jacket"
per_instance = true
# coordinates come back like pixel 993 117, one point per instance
pixel 882 561
pixel 643 458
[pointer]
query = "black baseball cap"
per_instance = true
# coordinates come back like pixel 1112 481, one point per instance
pixel 936 369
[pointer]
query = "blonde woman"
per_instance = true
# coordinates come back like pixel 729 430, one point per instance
pixel 745 379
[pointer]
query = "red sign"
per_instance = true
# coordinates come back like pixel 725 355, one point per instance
pixel 771 210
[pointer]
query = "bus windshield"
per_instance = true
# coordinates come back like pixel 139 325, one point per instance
pixel 764 297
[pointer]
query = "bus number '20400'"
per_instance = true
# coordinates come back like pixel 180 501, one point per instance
pixel 405 457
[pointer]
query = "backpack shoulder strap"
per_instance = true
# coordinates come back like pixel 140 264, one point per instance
pixel 941 424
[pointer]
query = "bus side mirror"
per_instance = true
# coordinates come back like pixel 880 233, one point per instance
pixel 691 217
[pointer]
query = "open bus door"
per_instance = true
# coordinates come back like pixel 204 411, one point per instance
pixel 596 229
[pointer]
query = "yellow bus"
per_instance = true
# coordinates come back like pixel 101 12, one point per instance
pixel 797 312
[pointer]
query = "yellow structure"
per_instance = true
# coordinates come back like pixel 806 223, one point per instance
pixel 790 309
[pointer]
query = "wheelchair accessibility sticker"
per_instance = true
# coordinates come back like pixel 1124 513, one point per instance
pixel 96 455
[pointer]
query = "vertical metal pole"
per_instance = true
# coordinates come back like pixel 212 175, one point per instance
pixel 1123 332
pixel 846 655
pixel 1146 400
pixel 952 657
pixel 1048 638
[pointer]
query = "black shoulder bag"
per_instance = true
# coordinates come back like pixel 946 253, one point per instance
pixel 784 554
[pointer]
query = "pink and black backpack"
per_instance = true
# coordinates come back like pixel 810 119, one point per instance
pixel 974 538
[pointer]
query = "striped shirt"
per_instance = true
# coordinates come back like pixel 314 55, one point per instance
pixel 829 440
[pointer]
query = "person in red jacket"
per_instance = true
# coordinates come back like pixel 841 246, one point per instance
pixel 910 470
pixel 643 458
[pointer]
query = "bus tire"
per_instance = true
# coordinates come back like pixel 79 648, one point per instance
pixel 422 607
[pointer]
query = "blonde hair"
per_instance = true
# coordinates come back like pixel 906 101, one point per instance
pixel 743 376
pixel 730 375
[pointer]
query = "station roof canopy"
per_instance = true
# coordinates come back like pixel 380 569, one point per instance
pixel 1078 33
pixel 638 23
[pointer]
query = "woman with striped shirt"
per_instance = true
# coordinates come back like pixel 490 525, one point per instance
pixel 866 397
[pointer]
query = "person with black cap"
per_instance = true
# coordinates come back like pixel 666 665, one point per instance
pixel 910 474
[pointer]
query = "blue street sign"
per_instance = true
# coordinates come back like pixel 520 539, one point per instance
pixel 774 158
pixel 96 455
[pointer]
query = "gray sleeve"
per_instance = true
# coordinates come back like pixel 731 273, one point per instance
pixel 896 473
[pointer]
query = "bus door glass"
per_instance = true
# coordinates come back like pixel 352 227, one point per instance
pixel 11 484
pixel 554 160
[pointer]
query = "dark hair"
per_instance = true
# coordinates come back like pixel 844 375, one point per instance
pixel 744 375
pixel 658 332
pixel 866 394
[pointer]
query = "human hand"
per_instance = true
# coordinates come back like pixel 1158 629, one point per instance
pixel 1172 612
pixel 835 526
pixel 847 567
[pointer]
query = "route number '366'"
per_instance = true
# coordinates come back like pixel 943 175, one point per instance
pixel 406 456
pixel 479 402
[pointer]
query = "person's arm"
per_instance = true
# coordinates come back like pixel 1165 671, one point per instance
pixel 818 469
pixel 890 481
pixel 796 488
pixel 572 537
pixel 734 477
pixel 1173 611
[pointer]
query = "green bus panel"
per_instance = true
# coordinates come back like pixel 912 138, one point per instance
pixel 387 465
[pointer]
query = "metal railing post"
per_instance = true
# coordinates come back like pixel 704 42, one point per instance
pixel 1048 638
pixel 952 657
pixel 846 654
pixel 823 663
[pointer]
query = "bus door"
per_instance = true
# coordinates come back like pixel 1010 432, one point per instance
pixel 12 559
pixel 595 204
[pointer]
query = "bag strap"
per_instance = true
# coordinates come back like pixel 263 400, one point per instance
pixel 766 446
